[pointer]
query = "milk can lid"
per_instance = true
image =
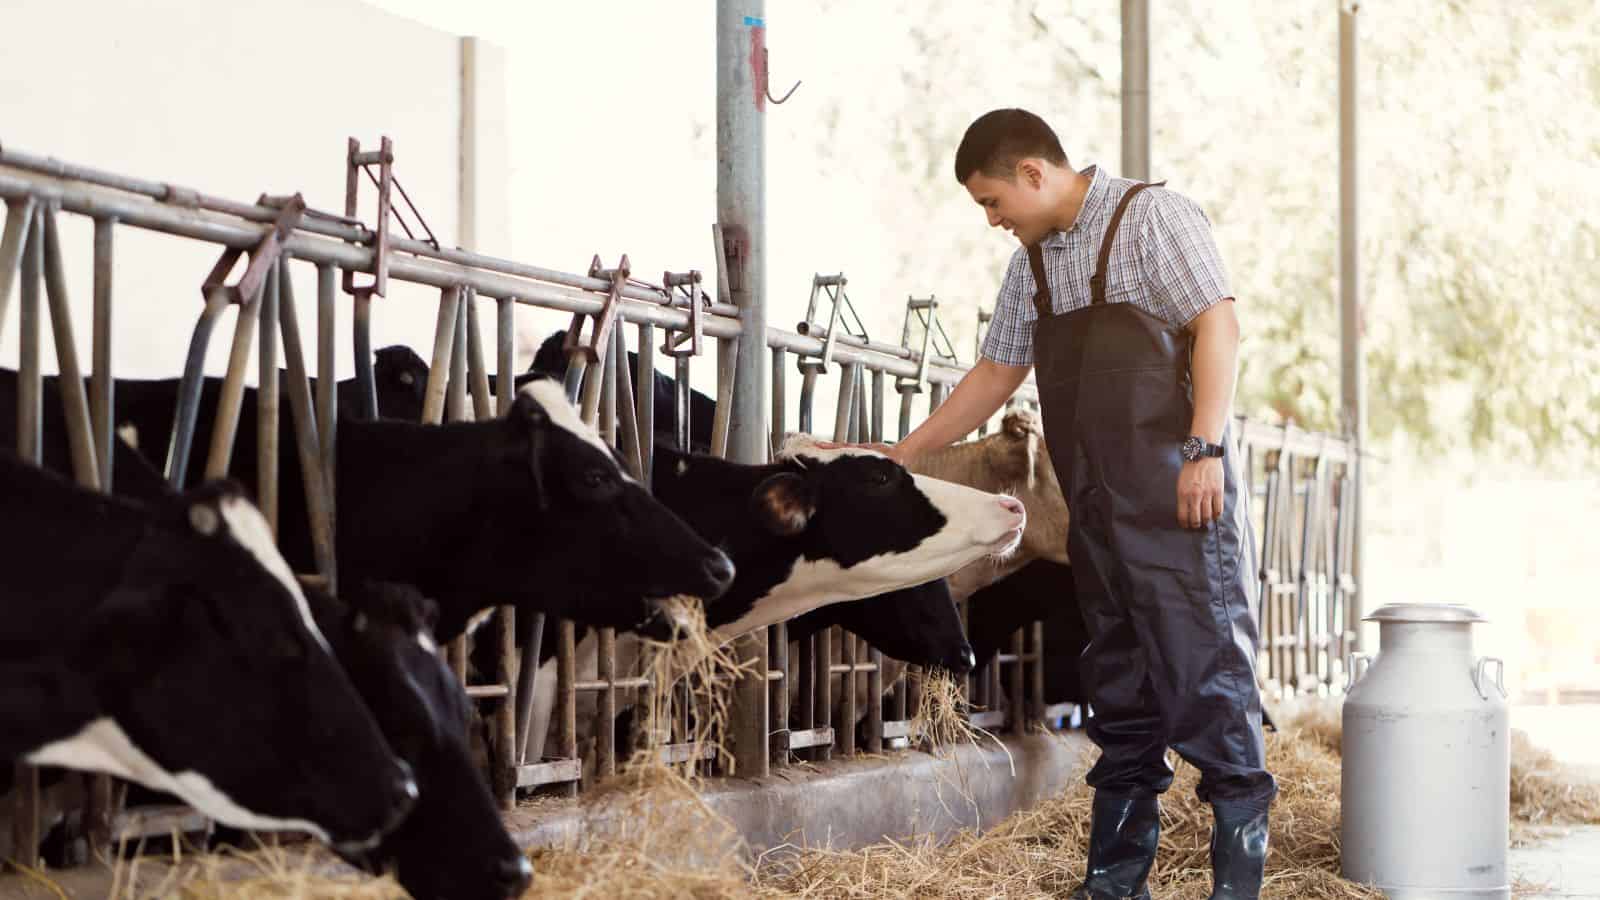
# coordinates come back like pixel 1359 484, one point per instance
pixel 1454 613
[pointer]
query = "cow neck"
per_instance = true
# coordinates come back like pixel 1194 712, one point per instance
pixel 712 495
pixel 99 536
pixel 405 494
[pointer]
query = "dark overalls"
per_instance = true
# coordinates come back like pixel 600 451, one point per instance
pixel 1171 653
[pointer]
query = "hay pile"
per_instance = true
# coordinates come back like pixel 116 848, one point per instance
pixel 1040 852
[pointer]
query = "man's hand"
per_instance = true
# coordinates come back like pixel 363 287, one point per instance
pixel 1200 492
pixel 890 450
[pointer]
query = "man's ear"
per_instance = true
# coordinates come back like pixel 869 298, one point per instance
pixel 784 504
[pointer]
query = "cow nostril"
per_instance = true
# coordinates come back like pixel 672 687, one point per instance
pixel 516 875
pixel 1013 505
pixel 965 661
pixel 719 569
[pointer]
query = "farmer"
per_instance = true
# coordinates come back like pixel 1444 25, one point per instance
pixel 1117 298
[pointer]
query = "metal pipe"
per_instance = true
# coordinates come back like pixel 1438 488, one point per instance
pixel 74 401
pixel 728 400
pixel 1352 360
pixel 567 705
pixel 875 702
pixel 506 742
pixel 847 389
pixel 605 751
pixel 645 400
pixel 778 693
pixel 594 381
pixel 102 398
pixel 626 416
pixel 188 406
pixel 443 347
pixel 478 379
pixel 875 435
pixel 456 392
pixel 268 401
pixel 320 223
pixel 307 437
pixel 778 402
pixel 225 427
pixel 905 413
pixel 19 216
pixel 1136 89
pixel 30 381
pixel 808 394
pixel 607 413
pixel 506 352
pixel 327 392
pixel 680 399
pixel 1019 705
pixel 527 677
pixel 361 334
pixel 844 734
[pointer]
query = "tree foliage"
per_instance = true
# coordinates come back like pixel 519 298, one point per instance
pixel 1479 164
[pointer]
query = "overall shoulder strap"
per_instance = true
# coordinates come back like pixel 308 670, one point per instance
pixel 1097 282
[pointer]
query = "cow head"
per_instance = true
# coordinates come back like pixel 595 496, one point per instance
pixel 401 379
pixel 918 625
pixel 454 843
pixel 1013 460
pixel 593 544
pixel 212 681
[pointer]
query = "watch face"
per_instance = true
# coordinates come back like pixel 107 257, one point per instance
pixel 1192 448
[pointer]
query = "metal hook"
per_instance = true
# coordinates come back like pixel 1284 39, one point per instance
pixel 767 66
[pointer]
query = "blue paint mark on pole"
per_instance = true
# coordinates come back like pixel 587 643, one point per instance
pixel 755 22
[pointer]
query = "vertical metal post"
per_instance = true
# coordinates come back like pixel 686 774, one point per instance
pixel 644 379
pixel 1352 362
pixel 624 405
pixel 875 434
pixel 567 694
pixel 307 439
pixel 482 408
pixel 327 387
pixel 30 382
pixel 102 401
pixel 741 213
pixel 361 334
pixel 188 407
pixel 75 403
pixel 226 425
pixel 443 348
pixel 1136 89
pixel 510 726
pixel 456 394
pixel 19 220
pixel 779 419
pixel 25 826
pixel 267 402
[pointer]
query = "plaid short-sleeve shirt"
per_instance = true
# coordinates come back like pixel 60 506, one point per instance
pixel 1164 260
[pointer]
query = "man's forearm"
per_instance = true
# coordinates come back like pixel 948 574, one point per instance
pixel 980 392
pixel 1215 368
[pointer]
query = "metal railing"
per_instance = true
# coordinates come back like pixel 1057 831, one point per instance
pixel 1300 482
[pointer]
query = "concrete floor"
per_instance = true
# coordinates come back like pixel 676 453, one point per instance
pixel 1567 865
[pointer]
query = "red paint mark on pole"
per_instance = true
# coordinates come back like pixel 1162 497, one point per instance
pixel 758 64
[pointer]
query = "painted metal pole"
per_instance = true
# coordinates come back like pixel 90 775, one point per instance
pixel 308 444
pixel 101 392
pixel 30 380
pixel 268 400
pixel 741 213
pixel 19 219
pixel 1136 89
pixel 1352 363
pixel 74 400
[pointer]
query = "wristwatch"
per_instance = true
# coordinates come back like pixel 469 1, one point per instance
pixel 1196 448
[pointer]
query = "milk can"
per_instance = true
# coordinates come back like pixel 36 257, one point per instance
pixel 1426 780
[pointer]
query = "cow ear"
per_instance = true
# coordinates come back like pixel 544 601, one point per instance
pixel 784 504
pixel 1018 424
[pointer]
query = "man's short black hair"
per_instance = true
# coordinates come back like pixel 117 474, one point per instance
pixel 999 139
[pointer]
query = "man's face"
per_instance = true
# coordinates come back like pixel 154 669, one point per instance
pixel 1018 204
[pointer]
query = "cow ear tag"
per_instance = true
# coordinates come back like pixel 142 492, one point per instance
pixel 204 519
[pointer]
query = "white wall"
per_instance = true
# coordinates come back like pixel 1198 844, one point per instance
pixel 233 99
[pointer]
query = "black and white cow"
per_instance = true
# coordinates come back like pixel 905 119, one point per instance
pixel 168 644
pixel 919 625
pixel 454 843
pixel 819 527
pixel 552 360
pixel 530 509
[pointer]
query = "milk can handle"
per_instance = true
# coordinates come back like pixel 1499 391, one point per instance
pixel 1350 676
pixel 1499 676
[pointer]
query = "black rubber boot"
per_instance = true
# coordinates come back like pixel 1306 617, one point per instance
pixel 1123 834
pixel 1238 852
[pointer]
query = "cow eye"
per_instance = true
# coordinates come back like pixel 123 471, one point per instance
pixel 594 478
pixel 880 479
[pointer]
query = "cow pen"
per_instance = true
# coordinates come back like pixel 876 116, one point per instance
pixel 1301 483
